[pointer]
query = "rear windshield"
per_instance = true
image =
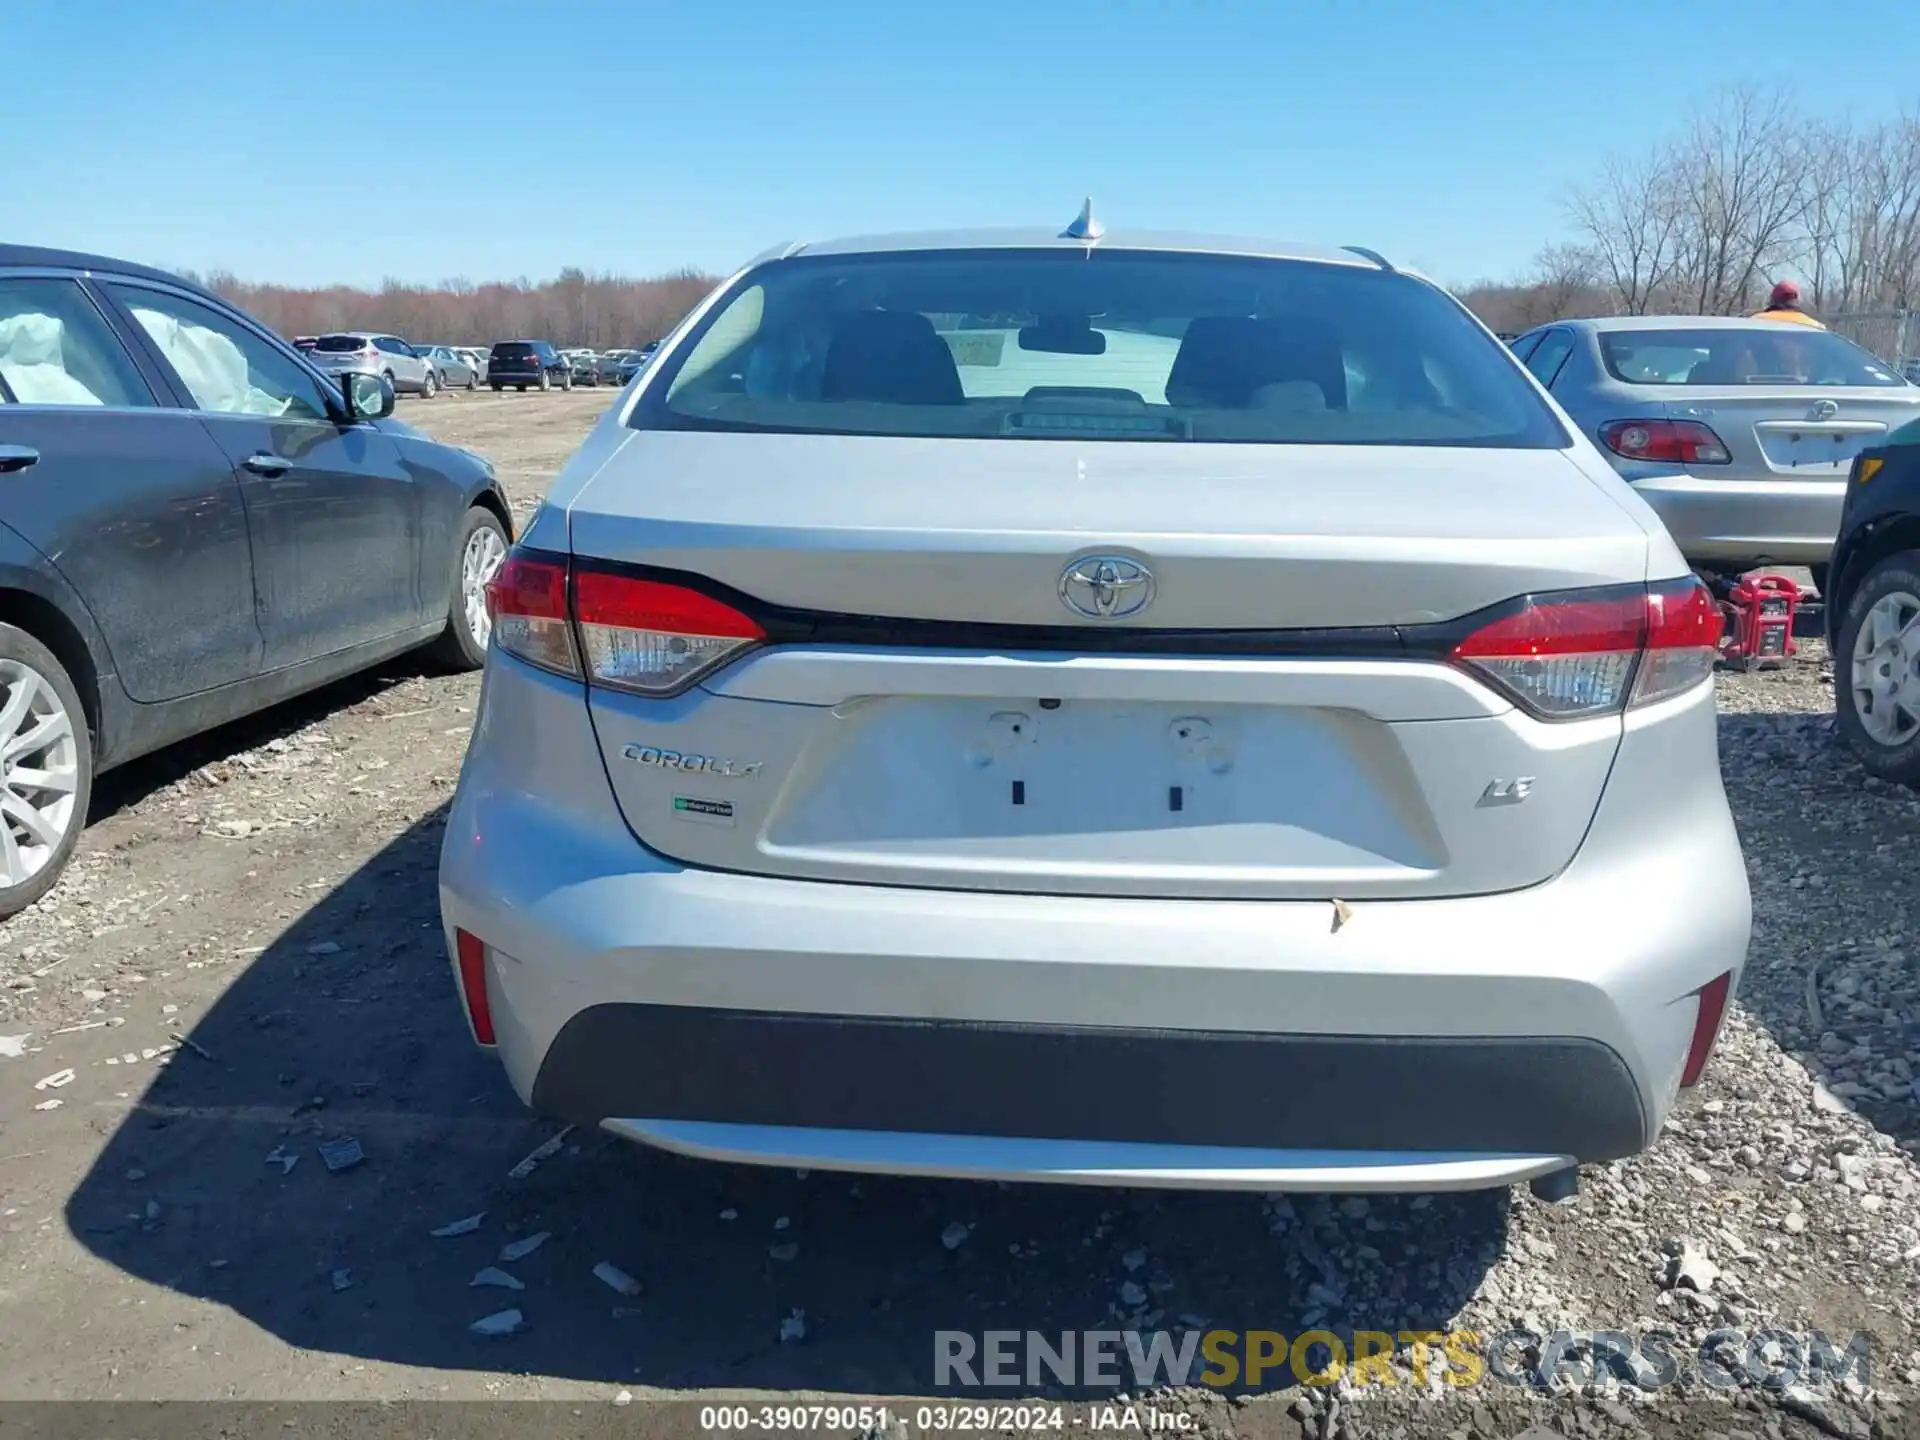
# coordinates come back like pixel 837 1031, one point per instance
pixel 340 342
pixel 1114 345
pixel 1740 355
pixel 512 350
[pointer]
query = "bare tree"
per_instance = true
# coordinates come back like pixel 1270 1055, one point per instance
pixel 574 309
pixel 1740 175
pixel 1630 221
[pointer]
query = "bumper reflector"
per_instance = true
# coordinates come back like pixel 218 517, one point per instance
pixel 472 951
pixel 1706 1027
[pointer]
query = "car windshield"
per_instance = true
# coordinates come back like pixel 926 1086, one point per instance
pixel 1740 355
pixel 1112 345
pixel 340 343
pixel 512 350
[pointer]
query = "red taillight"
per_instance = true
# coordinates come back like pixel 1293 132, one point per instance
pixel 472 953
pixel 647 636
pixel 651 637
pixel 1706 1027
pixel 527 600
pixel 1584 653
pixel 1676 442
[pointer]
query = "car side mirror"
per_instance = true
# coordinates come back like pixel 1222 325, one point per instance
pixel 368 397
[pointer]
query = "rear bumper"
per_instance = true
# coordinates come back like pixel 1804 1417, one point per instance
pixel 1420 1044
pixel 1221 1088
pixel 1784 521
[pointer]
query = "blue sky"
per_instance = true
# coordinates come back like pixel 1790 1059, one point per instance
pixel 335 141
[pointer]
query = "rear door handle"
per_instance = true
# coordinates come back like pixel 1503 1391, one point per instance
pixel 265 464
pixel 17 457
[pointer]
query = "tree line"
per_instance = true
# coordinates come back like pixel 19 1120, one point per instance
pixel 1748 191
pixel 575 308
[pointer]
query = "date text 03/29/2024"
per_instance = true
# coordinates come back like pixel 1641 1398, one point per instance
pixel 942 1418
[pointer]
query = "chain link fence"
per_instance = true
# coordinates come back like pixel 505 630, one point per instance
pixel 1893 335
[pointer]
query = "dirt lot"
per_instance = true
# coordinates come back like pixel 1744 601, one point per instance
pixel 267 893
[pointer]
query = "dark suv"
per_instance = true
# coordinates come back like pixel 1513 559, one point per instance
pixel 198 523
pixel 526 364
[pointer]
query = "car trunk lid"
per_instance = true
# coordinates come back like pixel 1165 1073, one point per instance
pixel 928 711
pixel 1800 432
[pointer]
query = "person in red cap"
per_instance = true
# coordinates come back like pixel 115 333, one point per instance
pixel 1784 304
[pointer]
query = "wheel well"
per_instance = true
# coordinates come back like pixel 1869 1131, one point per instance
pixel 1889 539
pixel 488 500
pixel 44 620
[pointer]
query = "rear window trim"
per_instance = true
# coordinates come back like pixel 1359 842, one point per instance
pixel 650 412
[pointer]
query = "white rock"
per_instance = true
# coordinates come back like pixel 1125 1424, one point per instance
pixel 504 1322
pixel 12 1047
pixel 955 1235
pixel 1692 1270
pixel 793 1329
pixel 520 1249
pixel 494 1275
pixel 616 1279
pixel 464 1226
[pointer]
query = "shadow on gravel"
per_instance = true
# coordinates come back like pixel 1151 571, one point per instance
pixel 129 784
pixel 313 1043
pixel 1831 972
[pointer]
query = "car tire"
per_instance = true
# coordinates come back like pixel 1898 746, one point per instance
pixel 523 389
pixel 566 381
pixel 387 375
pixel 1876 687
pixel 1820 573
pixel 473 381
pixel 28 871
pixel 496 388
pixel 546 381
pixel 477 556
pixel 431 387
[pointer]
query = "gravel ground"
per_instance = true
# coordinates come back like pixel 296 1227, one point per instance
pixel 266 893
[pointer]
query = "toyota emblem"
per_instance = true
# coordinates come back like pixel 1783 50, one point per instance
pixel 1106 587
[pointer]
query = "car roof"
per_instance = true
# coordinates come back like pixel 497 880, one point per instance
pixel 1609 323
pixel 1037 237
pixel 39 257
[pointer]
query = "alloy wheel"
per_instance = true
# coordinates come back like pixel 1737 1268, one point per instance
pixel 1886 669
pixel 484 555
pixel 39 772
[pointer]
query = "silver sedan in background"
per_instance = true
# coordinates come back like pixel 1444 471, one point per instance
pixel 1739 433
pixel 455 366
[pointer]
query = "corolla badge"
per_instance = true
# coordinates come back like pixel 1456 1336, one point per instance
pixel 1106 587
pixel 692 764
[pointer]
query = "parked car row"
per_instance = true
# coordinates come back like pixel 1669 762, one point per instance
pixel 428 369
pixel 186 497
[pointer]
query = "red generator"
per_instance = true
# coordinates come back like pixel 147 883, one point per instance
pixel 1759 611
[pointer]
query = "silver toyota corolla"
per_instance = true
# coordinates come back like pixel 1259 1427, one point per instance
pixel 1739 433
pixel 1132 709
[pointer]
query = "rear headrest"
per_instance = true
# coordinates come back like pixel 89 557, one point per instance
pixel 1224 359
pixel 891 356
